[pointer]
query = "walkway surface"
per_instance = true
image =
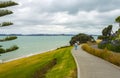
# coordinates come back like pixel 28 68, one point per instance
pixel 90 66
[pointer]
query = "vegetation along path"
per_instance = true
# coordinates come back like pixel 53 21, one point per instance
pixel 90 66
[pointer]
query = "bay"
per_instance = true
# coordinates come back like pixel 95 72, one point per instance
pixel 29 45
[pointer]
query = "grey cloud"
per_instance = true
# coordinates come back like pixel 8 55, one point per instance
pixel 29 14
pixel 73 6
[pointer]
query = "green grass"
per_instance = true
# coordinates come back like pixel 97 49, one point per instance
pixel 26 67
pixel 104 54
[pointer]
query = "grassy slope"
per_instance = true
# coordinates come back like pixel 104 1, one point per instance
pixel 26 67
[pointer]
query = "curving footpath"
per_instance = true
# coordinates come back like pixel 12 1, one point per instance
pixel 90 66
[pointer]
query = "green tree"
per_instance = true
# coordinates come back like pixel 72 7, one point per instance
pixel 81 38
pixel 107 31
pixel 4 12
pixel 118 20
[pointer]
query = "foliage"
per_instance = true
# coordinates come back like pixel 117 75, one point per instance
pixel 101 45
pixel 81 38
pixel 110 40
pixel 8 38
pixel 103 37
pixel 107 31
pixel 4 12
pixel 114 45
pixel 103 53
pixel 118 20
pixel 6 24
pixel 2 50
pixel 7 4
pixel 12 48
pixel 64 68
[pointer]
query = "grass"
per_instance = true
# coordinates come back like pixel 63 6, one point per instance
pixel 65 66
pixel 104 54
pixel 98 41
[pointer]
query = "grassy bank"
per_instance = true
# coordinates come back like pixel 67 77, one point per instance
pixel 104 54
pixel 63 67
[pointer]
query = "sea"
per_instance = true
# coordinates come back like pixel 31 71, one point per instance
pixel 31 45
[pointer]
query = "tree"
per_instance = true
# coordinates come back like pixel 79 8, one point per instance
pixel 4 12
pixel 118 20
pixel 110 40
pixel 81 38
pixel 107 31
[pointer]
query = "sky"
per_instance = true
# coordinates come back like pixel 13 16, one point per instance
pixel 61 16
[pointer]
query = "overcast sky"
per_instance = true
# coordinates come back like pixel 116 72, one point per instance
pixel 61 16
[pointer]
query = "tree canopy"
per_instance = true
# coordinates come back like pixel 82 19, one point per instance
pixel 118 20
pixel 110 40
pixel 81 38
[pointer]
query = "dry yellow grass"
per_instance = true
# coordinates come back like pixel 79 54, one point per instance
pixel 104 54
pixel 98 41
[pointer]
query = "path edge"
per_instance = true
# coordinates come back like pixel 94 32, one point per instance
pixel 78 71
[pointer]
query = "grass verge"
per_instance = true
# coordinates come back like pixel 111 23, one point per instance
pixel 104 54
pixel 65 66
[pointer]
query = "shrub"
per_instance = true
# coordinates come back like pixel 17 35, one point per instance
pixel 102 37
pixel 114 45
pixel 82 38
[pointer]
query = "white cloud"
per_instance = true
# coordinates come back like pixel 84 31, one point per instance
pixel 61 16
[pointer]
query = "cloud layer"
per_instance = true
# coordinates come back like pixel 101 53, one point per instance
pixel 61 16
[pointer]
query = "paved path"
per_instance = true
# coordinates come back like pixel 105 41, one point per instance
pixel 90 66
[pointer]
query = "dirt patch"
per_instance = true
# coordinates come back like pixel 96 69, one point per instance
pixel 42 72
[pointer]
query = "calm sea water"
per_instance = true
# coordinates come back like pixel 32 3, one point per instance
pixel 29 45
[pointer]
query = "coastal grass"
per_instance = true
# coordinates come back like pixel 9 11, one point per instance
pixel 104 54
pixel 64 65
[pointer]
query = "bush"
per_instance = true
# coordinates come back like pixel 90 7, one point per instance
pixel 113 45
pixel 102 46
pixel 81 38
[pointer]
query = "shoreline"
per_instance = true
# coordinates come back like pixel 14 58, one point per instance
pixel 1 61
